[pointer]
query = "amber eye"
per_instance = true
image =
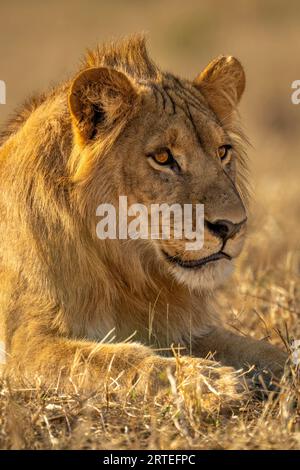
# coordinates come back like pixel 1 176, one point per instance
pixel 223 151
pixel 163 157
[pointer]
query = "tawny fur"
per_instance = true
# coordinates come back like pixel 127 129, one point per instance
pixel 69 300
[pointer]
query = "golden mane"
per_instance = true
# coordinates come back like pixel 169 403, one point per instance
pixel 128 55
pixel 65 292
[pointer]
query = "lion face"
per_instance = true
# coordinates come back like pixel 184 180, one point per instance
pixel 177 158
pixel 170 142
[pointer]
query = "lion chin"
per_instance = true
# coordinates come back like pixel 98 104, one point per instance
pixel 205 278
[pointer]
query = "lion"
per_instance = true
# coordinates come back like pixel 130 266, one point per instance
pixel 73 305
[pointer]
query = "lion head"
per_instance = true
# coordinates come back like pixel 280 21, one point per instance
pixel 156 138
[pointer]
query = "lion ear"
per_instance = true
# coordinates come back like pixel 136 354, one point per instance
pixel 98 98
pixel 222 83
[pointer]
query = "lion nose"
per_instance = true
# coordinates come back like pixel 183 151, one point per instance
pixel 224 228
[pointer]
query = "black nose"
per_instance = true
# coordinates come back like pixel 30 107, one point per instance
pixel 224 228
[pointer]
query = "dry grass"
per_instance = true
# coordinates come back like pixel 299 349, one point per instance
pixel 206 415
pixel 263 298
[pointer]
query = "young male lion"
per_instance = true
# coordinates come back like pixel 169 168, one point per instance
pixel 121 127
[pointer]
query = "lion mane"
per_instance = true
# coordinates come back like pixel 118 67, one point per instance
pixel 61 296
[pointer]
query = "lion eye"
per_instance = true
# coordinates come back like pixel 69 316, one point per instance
pixel 163 157
pixel 223 151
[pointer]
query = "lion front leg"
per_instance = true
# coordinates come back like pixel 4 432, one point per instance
pixel 242 352
pixel 64 363
pixel 89 366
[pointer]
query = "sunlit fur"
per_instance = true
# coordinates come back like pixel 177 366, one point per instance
pixel 62 290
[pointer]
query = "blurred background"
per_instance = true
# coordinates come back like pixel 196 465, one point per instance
pixel 42 42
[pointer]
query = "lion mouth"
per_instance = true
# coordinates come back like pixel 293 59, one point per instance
pixel 196 263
